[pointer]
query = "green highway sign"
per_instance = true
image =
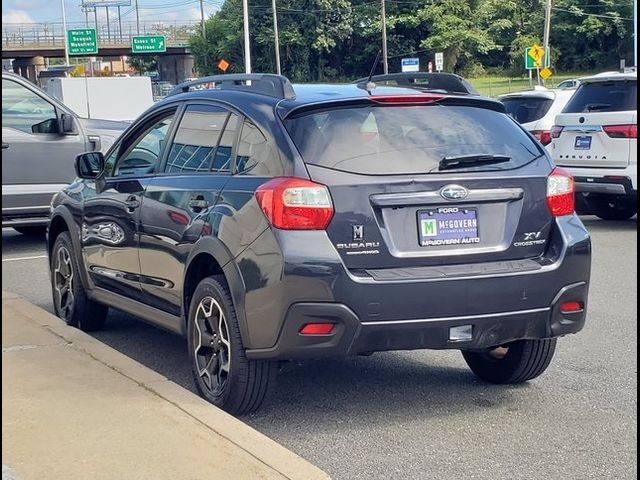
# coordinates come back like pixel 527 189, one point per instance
pixel 82 41
pixel 533 58
pixel 148 44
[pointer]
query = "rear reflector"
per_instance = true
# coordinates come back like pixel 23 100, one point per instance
pixel 317 329
pixel 621 131
pixel 417 99
pixel 560 193
pixel 544 136
pixel 295 203
pixel 571 307
pixel 556 130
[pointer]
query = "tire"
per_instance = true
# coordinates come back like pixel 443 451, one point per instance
pixel 37 231
pixel 515 362
pixel 612 207
pixel 70 300
pixel 221 371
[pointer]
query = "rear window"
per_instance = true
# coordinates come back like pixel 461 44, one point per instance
pixel 617 96
pixel 388 140
pixel 527 109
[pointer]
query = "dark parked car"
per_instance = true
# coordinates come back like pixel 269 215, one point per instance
pixel 269 223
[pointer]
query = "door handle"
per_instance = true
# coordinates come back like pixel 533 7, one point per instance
pixel 5 145
pixel 198 203
pixel 132 203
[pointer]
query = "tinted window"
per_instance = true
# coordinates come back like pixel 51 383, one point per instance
pixel 196 140
pixel 24 110
pixel 619 96
pixel 254 153
pixel 142 153
pixel 397 140
pixel 527 109
pixel 222 157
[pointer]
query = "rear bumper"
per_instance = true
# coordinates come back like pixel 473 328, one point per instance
pixel 374 314
pixel 606 181
pixel 350 336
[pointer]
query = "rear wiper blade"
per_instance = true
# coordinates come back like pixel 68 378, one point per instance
pixel 592 107
pixel 469 160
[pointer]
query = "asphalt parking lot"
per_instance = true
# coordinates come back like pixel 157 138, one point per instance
pixel 418 415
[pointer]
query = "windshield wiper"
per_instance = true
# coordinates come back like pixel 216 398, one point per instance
pixel 592 107
pixel 469 160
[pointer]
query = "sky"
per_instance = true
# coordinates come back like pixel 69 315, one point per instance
pixel 40 11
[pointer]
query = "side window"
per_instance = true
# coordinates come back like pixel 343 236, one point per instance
pixel 25 110
pixel 141 154
pixel 222 157
pixel 255 156
pixel 197 139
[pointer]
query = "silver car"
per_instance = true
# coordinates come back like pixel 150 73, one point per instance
pixel 40 139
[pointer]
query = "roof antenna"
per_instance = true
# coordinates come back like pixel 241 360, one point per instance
pixel 369 85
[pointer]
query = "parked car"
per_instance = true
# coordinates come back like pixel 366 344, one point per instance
pixel 536 110
pixel 40 137
pixel 446 82
pixel 268 222
pixel 570 83
pixel 596 138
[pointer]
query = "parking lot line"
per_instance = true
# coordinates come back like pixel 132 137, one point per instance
pixel 17 259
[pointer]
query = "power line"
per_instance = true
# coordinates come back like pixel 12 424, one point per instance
pixel 584 14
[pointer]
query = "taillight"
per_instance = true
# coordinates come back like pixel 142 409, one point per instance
pixel 621 131
pixel 295 204
pixel 556 130
pixel 543 135
pixel 560 193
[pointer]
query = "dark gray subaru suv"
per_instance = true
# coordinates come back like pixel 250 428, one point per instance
pixel 269 223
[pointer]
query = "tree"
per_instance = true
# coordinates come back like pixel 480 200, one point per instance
pixel 144 63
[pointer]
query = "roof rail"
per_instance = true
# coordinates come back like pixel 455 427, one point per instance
pixel 277 86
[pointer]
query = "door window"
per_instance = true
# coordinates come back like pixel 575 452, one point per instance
pixel 24 110
pixel 141 154
pixel 197 140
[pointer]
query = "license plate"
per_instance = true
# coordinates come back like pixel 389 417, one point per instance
pixel 583 142
pixel 448 226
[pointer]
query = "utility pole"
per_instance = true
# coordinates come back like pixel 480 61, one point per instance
pixel 385 63
pixel 204 30
pixel 547 31
pixel 66 39
pixel 247 49
pixel 108 25
pixel 275 35
pixel 119 24
pixel 635 33
pixel 138 19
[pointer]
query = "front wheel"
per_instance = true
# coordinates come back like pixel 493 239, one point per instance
pixel 515 362
pixel 70 300
pixel 612 207
pixel 222 373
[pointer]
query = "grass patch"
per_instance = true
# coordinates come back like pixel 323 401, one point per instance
pixel 492 86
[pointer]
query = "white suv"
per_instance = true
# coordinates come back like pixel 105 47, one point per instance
pixel 595 137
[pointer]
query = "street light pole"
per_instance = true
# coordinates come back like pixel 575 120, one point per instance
pixel 275 35
pixel 247 49
pixel 64 27
pixel 547 30
pixel 385 63
pixel 204 30
pixel 137 19
pixel 635 33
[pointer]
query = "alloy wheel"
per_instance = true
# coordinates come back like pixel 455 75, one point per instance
pixel 63 282
pixel 212 349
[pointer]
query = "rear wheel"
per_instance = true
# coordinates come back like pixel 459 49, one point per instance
pixel 70 300
pixel 37 231
pixel 222 373
pixel 514 362
pixel 612 207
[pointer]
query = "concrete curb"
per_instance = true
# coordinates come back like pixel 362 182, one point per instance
pixel 246 438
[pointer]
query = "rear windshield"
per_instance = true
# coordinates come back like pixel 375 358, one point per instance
pixel 388 140
pixel 527 109
pixel 618 96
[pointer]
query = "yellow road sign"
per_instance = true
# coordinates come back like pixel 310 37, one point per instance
pixel 545 73
pixel 536 52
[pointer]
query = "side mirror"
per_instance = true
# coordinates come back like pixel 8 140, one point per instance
pixel 67 126
pixel 90 165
